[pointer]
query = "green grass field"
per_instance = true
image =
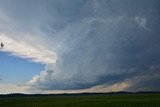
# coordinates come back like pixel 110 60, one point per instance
pixel 88 100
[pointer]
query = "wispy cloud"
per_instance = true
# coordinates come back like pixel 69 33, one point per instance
pixel 12 88
pixel 34 52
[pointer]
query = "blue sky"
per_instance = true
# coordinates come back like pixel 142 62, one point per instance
pixel 17 70
pixel 72 46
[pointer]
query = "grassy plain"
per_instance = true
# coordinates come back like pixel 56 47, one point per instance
pixel 82 100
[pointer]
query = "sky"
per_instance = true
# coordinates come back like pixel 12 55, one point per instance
pixel 74 46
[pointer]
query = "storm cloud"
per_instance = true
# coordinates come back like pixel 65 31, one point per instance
pixel 97 43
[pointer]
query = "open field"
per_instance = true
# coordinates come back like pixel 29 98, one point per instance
pixel 82 100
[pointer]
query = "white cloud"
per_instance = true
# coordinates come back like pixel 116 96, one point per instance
pixel 35 51
pixel 22 36
pixel 13 88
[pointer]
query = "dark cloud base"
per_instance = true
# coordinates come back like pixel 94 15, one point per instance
pixel 101 42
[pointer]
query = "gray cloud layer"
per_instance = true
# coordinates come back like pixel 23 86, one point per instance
pixel 97 42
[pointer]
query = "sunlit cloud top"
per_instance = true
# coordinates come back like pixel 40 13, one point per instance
pixel 34 52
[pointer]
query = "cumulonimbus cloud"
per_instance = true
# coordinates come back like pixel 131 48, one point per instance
pixel 97 44
pixel 104 47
